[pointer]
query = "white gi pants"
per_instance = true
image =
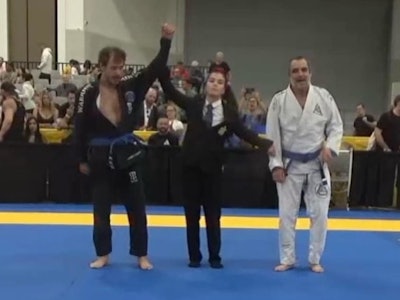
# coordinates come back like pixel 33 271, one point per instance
pixel 317 202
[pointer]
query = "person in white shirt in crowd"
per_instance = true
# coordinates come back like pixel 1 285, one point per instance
pixel 147 114
pixel 27 94
pixel 74 64
pixel 46 64
pixel 2 65
pixel 175 126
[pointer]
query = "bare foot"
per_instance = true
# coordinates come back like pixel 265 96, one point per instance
pixel 283 267
pixel 100 262
pixel 144 263
pixel 317 268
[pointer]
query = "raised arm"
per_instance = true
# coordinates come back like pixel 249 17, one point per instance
pixel 140 82
pixel 171 93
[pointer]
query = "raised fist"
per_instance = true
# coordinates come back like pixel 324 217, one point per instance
pixel 167 31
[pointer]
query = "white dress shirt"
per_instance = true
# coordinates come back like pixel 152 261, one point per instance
pixel 218 112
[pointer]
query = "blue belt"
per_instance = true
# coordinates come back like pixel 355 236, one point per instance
pixel 118 159
pixel 128 138
pixel 302 157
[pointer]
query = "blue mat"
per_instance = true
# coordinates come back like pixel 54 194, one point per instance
pixel 51 262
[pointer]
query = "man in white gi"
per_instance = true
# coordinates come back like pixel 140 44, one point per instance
pixel 305 125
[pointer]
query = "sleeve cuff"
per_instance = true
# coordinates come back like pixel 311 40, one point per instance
pixel 275 163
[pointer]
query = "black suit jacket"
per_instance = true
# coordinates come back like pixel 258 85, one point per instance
pixel 203 146
pixel 153 117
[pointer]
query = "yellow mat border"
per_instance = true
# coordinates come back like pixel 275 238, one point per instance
pixel 239 222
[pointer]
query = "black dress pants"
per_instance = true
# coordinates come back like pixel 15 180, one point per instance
pixel 202 189
pixel 45 76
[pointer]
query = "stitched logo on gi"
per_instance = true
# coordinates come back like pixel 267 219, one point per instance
pixel 317 110
pixel 133 177
pixel 321 190
pixel 129 98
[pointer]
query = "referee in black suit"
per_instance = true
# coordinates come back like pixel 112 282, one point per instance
pixel 211 119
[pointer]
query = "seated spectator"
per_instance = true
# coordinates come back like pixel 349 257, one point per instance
pixel 66 87
pixel 93 74
pixel 163 137
pixel 184 73
pixel 147 115
pixel 175 126
pixel 9 75
pixel 254 117
pixel 32 133
pixel 221 65
pixel 46 112
pixel 188 87
pixel 86 69
pixel 177 78
pixel 66 112
pixel 197 76
pixel 2 65
pixel 74 64
pixel 20 75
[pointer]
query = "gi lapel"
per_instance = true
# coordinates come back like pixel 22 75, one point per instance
pixel 292 102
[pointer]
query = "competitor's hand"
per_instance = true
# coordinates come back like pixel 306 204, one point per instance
pixel 167 31
pixel 326 155
pixel 271 151
pixel 278 175
pixel 84 168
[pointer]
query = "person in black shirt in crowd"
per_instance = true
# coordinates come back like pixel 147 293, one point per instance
pixel 105 111
pixel 211 119
pixel 364 124
pixel 387 139
pixel 220 65
pixel 163 137
pixel 12 114
pixel 387 131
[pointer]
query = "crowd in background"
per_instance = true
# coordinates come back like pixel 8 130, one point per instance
pixel 48 96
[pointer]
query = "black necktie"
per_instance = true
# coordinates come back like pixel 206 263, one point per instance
pixel 208 116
